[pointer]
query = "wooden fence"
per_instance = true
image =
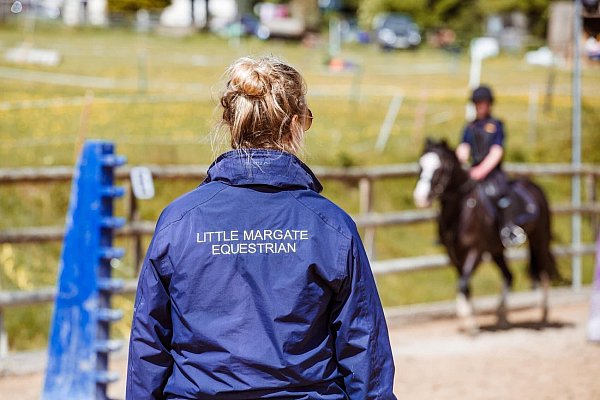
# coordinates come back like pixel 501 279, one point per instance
pixel 368 220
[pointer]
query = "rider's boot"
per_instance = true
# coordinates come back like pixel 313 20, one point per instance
pixel 511 235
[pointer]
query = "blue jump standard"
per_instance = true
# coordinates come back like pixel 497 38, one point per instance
pixel 79 342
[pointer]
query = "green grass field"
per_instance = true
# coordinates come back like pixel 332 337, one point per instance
pixel 155 96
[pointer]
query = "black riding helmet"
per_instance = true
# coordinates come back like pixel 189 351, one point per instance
pixel 482 93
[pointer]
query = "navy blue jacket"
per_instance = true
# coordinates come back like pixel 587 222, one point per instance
pixel 481 135
pixel 257 287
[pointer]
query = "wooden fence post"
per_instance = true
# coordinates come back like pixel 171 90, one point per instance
pixel 3 335
pixel 365 189
pixel 134 217
pixel 590 191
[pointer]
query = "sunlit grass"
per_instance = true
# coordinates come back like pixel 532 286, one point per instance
pixel 155 97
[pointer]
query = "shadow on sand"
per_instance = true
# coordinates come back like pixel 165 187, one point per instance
pixel 529 325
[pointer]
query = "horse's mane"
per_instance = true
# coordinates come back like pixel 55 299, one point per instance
pixel 440 146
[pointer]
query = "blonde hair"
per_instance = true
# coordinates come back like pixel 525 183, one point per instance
pixel 261 99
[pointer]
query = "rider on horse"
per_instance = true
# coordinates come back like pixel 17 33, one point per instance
pixel 483 142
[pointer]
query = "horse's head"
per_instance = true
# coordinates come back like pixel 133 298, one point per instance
pixel 436 164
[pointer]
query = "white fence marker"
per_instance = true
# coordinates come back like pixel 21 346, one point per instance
pixel 390 118
pixel 594 322
pixel 142 183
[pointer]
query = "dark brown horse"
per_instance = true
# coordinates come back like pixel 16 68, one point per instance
pixel 468 226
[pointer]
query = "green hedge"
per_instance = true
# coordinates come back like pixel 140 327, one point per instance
pixel 132 6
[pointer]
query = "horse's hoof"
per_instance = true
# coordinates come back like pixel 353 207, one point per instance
pixel 503 323
pixel 471 330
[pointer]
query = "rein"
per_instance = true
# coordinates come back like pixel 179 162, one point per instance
pixel 442 185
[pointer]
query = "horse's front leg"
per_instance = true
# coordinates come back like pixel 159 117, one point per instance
pixel 545 289
pixel 507 280
pixel 464 308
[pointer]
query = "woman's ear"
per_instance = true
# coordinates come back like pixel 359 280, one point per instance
pixel 297 123
pixel 296 135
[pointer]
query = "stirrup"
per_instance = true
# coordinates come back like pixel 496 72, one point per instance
pixel 512 236
pixel 504 202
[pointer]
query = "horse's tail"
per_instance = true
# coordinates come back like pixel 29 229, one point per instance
pixel 542 261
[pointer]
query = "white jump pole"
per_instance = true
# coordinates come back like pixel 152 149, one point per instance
pixel 576 148
pixel 388 123
pixel 481 48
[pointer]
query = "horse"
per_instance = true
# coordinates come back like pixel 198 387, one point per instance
pixel 468 227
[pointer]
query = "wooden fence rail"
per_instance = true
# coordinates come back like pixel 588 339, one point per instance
pixel 406 264
pixel 352 174
pixel 368 220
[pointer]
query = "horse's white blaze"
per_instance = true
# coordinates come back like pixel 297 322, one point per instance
pixel 463 306
pixel 429 163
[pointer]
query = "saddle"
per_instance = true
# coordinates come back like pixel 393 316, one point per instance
pixel 526 207
pixel 513 203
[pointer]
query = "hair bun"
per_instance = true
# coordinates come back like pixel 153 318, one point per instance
pixel 261 99
pixel 248 80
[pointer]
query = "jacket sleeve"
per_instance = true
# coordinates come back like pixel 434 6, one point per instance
pixel 499 134
pixel 362 344
pixel 466 135
pixel 150 361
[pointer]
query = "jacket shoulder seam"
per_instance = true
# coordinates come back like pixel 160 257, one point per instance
pixel 183 214
pixel 325 221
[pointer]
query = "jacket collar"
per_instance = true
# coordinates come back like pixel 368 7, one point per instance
pixel 262 167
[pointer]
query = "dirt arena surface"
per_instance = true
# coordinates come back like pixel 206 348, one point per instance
pixel 527 361
pixel 434 361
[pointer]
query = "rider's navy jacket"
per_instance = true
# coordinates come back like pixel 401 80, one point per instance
pixel 257 287
pixel 481 134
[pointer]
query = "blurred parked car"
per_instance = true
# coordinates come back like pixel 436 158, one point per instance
pixel 250 24
pixel 276 20
pixel 396 31
pixel 351 32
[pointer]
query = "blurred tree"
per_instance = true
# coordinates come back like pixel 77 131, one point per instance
pixel 351 4
pixel 206 26
pixel 245 6
pixel 132 6
pixel 535 10
pixel 465 17
pixel 426 13
pixel 309 11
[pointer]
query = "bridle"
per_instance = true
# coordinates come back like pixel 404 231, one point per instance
pixel 445 175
